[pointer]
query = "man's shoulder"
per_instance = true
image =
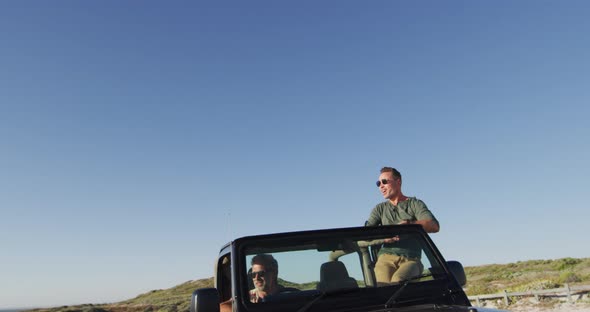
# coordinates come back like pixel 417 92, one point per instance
pixel 383 204
pixel 414 200
pixel 414 203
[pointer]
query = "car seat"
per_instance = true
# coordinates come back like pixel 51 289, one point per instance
pixel 333 275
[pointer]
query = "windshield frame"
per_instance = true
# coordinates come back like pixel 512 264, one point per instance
pixel 371 294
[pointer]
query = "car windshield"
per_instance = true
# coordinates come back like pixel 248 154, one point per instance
pixel 306 268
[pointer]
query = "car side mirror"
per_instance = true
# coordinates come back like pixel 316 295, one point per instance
pixel 205 300
pixel 457 270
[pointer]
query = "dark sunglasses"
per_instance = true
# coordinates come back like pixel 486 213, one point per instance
pixel 257 274
pixel 383 181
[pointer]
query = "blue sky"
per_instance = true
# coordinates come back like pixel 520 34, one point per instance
pixel 137 137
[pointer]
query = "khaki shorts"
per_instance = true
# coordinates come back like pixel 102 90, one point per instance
pixel 393 268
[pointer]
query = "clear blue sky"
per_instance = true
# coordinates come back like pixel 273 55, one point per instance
pixel 137 137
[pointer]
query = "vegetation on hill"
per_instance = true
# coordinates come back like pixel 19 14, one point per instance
pixel 173 299
pixel 527 275
pixel 484 279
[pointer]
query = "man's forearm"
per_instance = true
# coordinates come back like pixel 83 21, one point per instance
pixel 429 226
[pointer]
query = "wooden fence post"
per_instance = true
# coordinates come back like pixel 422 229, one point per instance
pixel 506 297
pixel 569 293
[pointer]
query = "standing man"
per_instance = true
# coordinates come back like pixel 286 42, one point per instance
pixel 399 259
pixel 264 275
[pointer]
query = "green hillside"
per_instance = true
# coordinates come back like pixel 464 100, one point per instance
pixel 484 279
pixel 527 275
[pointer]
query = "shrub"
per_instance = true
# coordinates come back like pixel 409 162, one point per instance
pixel 487 279
pixel 537 285
pixel 480 289
pixel 93 309
pixel 569 277
pixel 566 263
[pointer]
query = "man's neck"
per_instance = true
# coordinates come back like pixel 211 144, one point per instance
pixel 395 200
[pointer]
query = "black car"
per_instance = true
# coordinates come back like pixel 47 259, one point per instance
pixel 333 270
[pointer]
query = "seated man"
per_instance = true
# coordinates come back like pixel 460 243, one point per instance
pixel 264 275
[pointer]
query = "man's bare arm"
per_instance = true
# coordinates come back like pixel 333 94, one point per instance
pixel 430 226
pixel 226 306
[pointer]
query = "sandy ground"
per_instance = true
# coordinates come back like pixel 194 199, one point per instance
pixel 562 307
pixel 524 306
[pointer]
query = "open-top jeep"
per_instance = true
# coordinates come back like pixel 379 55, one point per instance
pixel 333 270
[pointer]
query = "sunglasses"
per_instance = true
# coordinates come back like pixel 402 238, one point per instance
pixel 384 182
pixel 257 274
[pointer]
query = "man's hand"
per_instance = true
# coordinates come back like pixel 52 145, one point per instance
pixel 391 240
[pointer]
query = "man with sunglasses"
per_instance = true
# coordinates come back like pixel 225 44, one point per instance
pixel 264 275
pixel 399 259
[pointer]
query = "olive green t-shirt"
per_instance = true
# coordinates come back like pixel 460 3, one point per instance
pixel 386 213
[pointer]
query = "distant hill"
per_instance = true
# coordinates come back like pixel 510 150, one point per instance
pixel 527 275
pixel 484 279
pixel 161 300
